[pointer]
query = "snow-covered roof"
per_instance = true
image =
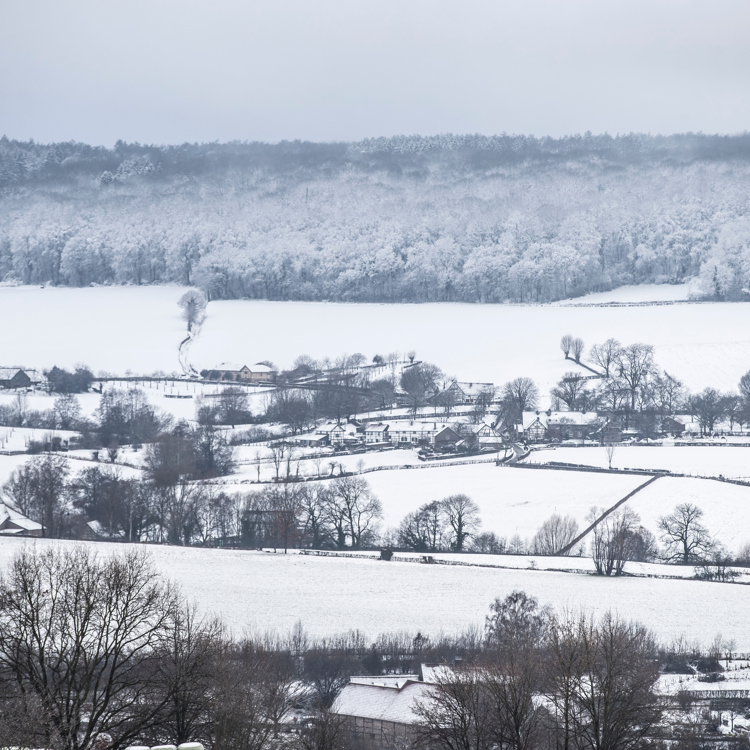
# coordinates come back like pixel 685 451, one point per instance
pixel 377 427
pixel 572 417
pixel 258 367
pixel 229 367
pixel 474 389
pixel 382 702
pixel 6 373
pixel 8 514
pixel 398 680
pixel 529 417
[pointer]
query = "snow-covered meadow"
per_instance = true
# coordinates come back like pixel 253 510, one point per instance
pixel 710 460
pixel 138 329
pixel 260 591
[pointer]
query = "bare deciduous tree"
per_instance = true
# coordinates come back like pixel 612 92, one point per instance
pixel 193 305
pixel 462 517
pixel 76 633
pixel 556 533
pixel 566 344
pixel 605 355
pixel 613 540
pixel 578 347
pixel 685 538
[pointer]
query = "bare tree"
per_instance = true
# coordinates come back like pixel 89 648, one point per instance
pixel 354 511
pixel 423 529
pixel 461 514
pixel 571 390
pixel 556 533
pixel 193 305
pixel 578 347
pixel 614 537
pixel 99 620
pixel 634 364
pixel 609 450
pixel 566 344
pixel 615 705
pixel 519 395
pixel 605 355
pixel 685 538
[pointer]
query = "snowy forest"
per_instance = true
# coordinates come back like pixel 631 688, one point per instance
pixel 444 218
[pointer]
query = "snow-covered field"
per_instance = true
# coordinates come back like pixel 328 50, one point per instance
pixel 640 293
pixel 725 460
pixel 261 591
pixel 726 507
pixel 138 329
pixel 511 501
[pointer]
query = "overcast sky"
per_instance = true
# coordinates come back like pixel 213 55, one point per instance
pixel 168 71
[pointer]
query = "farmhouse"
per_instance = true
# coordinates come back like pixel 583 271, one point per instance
pixel 379 712
pixel 377 433
pixel 337 434
pixel 14 377
pixel 13 523
pixel 458 393
pixel 258 373
pixel 572 425
pixel 533 427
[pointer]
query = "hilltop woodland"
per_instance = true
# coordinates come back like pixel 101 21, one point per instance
pixel 445 218
pixel 125 661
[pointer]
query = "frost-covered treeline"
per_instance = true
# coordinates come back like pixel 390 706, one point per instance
pixel 420 219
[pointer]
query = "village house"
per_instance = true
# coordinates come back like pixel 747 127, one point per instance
pixel 380 712
pixel 484 435
pixel 14 377
pixel 377 433
pixel 461 394
pixel 533 427
pixel 13 523
pixel 258 373
pixel 339 435
pixel 572 425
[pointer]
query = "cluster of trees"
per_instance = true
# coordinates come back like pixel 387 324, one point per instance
pixel 171 503
pixel 633 385
pixel 540 219
pixel 596 678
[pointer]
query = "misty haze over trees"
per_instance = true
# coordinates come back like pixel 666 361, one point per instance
pixel 467 218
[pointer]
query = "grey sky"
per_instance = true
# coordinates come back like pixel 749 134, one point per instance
pixel 167 71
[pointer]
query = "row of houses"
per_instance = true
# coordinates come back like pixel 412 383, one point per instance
pixel 439 436
pixel 538 426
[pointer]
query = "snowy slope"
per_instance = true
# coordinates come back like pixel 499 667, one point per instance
pixel 261 591
pixel 511 501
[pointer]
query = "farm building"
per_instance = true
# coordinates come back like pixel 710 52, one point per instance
pixel 533 427
pixel 14 377
pixel 377 433
pixel 459 394
pixel 258 373
pixel 13 523
pixel 572 425
pixel 338 434
pixel 379 712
